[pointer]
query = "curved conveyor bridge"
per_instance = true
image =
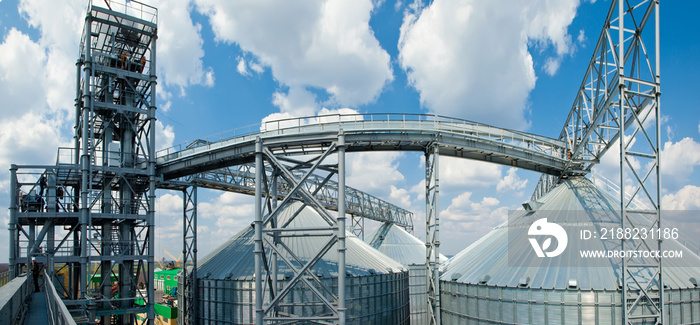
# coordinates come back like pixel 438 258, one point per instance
pixel 369 132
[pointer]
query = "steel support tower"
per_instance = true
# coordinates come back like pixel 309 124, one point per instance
pixel 95 207
pixel 618 105
pixel 271 295
pixel 188 311
pixel 432 230
pixel 115 135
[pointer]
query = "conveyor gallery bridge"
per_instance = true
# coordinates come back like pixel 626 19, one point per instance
pixel 368 132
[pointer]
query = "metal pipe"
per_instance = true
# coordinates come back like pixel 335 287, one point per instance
pixel 259 311
pixel 150 215
pixel 85 166
pixel 341 228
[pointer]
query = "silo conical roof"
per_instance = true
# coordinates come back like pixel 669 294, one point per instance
pixel 489 255
pixel 235 259
pixel 398 244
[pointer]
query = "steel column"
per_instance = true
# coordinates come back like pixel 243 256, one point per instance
pixel 258 224
pixel 638 101
pixel 341 228
pixel 189 253
pixel 14 233
pixel 432 230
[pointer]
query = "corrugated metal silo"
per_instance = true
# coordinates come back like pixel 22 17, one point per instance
pixel 408 250
pixel 479 286
pixel 376 286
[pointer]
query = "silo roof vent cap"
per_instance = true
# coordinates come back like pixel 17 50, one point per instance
pixel 485 279
pixel 524 281
pixel 573 283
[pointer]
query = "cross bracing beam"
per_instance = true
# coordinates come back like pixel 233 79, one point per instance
pixel 369 132
pixel 241 179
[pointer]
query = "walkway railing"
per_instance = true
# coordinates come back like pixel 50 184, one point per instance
pixel 57 311
pixel 4 278
pixel 367 122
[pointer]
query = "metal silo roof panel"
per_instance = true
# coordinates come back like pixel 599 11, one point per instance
pixel 489 255
pixel 235 259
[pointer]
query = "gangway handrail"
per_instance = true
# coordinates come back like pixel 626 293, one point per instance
pixel 57 310
pixel 368 132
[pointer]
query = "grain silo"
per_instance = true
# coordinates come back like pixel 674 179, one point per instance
pixel 376 286
pixel 481 285
pixel 408 250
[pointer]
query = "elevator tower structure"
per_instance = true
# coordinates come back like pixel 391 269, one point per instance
pixel 115 144
pixel 90 217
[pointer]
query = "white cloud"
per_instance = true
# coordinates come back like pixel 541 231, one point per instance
pixel 59 39
pixel 283 120
pixel 687 198
pixel 470 58
pixel 31 139
pixel 241 67
pixel 401 197
pixel 678 159
pixel 229 212
pixel 465 220
pixel 326 45
pixel 179 46
pixel 374 172
pixel 551 65
pixel 22 63
pixel 461 173
pixel 165 135
pixel 511 182
pixel 297 101
pixel 168 224
pixel 581 38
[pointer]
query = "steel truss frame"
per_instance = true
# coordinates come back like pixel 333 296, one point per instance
pixel 189 253
pixel 358 204
pixel 432 230
pixel 618 104
pixel 270 248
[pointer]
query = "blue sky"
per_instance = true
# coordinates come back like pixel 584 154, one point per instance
pixel 230 64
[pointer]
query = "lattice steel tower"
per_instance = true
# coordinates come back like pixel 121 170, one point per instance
pixel 115 141
pixel 91 217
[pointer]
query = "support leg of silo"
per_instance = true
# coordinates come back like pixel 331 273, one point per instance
pixel 259 311
pixel 341 229
pixel 432 234
pixel 189 253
